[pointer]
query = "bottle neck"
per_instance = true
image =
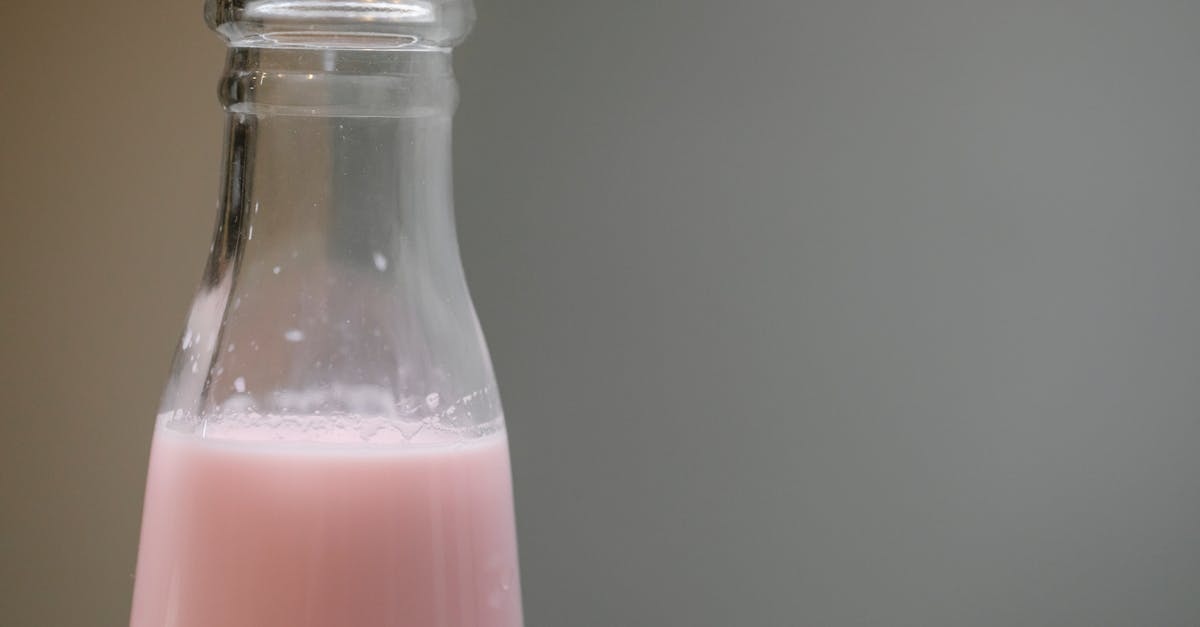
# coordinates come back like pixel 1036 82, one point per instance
pixel 351 144
pixel 336 82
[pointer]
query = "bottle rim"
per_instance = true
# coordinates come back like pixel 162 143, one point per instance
pixel 341 24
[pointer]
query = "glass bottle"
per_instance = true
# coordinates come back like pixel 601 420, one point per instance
pixel 330 449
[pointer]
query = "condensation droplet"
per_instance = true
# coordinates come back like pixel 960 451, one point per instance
pixel 276 269
pixel 239 384
pixel 433 400
pixel 294 335
pixel 381 262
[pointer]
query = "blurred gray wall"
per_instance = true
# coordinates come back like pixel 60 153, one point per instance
pixel 805 313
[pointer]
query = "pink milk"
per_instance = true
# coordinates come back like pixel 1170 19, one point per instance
pixel 250 534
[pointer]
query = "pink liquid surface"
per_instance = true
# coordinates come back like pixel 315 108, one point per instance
pixel 245 534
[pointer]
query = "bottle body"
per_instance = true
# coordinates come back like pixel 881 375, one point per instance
pixel 330 449
pixel 254 534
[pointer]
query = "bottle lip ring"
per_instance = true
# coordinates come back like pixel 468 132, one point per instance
pixel 341 11
pixel 341 24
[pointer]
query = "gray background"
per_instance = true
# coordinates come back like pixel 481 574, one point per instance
pixel 805 313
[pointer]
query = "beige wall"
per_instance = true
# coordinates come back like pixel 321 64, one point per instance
pixel 107 183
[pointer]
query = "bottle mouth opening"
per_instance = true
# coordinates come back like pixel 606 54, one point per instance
pixel 341 24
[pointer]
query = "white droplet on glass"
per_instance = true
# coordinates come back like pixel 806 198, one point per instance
pixel 380 262
pixel 294 335
pixel 239 384
pixel 276 269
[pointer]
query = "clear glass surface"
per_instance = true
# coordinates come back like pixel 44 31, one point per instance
pixel 334 288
